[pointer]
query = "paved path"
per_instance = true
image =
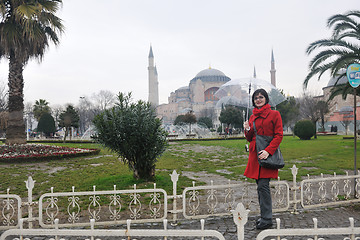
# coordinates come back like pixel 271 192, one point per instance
pixel 331 217
pixel 327 218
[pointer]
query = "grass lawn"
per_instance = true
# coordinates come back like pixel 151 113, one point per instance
pixel 327 154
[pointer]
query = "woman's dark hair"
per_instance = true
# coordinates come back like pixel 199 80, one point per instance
pixel 262 92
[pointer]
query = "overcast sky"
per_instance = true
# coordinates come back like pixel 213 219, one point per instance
pixel 106 45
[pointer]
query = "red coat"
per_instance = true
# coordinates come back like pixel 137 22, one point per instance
pixel 268 122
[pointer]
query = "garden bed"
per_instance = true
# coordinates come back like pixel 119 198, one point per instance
pixel 35 152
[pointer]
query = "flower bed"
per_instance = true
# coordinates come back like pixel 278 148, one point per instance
pixel 30 152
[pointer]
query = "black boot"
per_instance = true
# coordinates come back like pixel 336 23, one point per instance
pixel 264 224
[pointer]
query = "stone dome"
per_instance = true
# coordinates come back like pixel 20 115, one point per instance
pixel 211 75
pixel 346 109
pixel 342 80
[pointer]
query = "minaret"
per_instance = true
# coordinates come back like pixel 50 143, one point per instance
pixel 153 81
pixel 254 72
pixel 273 71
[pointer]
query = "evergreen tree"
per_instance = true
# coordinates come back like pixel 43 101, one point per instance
pixel 231 115
pixel 206 121
pixel 133 131
pixel 189 118
pixel 69 119
pixel 46 124
pixel 289 111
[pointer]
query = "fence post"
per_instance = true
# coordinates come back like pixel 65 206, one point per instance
pixel 174 178
pixel 21 227
pixel 294 171
pixel 30 183
pixel 240 217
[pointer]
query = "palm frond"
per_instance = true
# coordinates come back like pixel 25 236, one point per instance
pixel 342 17
pixel 343 90
pixel 354 35
pixel 319 70
pixel 327 55
pixel 345 27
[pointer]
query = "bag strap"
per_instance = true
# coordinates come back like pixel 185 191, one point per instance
pixel 254 127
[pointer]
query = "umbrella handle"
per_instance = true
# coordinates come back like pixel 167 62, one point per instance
pixel 247 112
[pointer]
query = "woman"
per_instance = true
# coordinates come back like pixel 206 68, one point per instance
pixel 267 122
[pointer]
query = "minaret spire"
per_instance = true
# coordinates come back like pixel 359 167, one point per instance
pixel 254 72
pixel 273 71
pixel 151 55
pixel 153 80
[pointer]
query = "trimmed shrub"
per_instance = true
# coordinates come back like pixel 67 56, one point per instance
pixel 304 129
pixel 133 131
pixel 46 124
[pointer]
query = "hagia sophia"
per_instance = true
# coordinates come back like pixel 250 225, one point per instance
pixel 199 97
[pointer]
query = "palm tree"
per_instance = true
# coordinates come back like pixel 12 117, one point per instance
pixel 26 28
pixel 40 107
pixel 338 52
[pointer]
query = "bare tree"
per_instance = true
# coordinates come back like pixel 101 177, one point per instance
pixel 29 115
pixel 3 123
pixel 313 108
pixel 86 113
pixel 3 97
pixel 4 115
pixel 104 99
pixel 346 121
pixel 56 110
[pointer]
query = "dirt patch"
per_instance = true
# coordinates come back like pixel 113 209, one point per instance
pixel 204 149
pixel 207 177
pixel 56 169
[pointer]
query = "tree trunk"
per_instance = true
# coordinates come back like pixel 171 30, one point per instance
pixel 144 173
pixel 15 132
pixel 66 133
pixel 315 135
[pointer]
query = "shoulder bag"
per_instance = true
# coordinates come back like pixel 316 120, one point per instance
pixel 274 161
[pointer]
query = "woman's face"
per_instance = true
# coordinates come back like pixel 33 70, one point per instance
pixel 259 100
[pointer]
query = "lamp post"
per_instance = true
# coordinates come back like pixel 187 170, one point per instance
pixel 353 75
pixel 27 127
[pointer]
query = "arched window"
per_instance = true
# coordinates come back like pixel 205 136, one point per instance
pixel 209 94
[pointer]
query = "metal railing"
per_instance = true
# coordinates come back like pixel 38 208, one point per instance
pixel 155 204
pixel 315 233
pixel 93 233
pixel 329 191
pixel 11 207
pixel 106 207
pixel 240 218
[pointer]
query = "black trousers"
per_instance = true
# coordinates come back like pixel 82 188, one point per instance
pixel 264 196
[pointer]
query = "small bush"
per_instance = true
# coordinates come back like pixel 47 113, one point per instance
pixel 46 124
pixel 304 129
pixel 133 131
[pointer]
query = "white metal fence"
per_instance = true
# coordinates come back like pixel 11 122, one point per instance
pixel 97 234
pixel 240 217
pixel 315 233
pixel 115 206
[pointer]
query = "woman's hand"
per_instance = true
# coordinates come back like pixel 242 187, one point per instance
pixel 263 154
pixel 246 126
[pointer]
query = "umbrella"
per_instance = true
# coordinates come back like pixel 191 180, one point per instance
pixel 243 88
pixel 228 100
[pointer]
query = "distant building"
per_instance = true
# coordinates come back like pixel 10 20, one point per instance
pixel 340 110
pixel 198 96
